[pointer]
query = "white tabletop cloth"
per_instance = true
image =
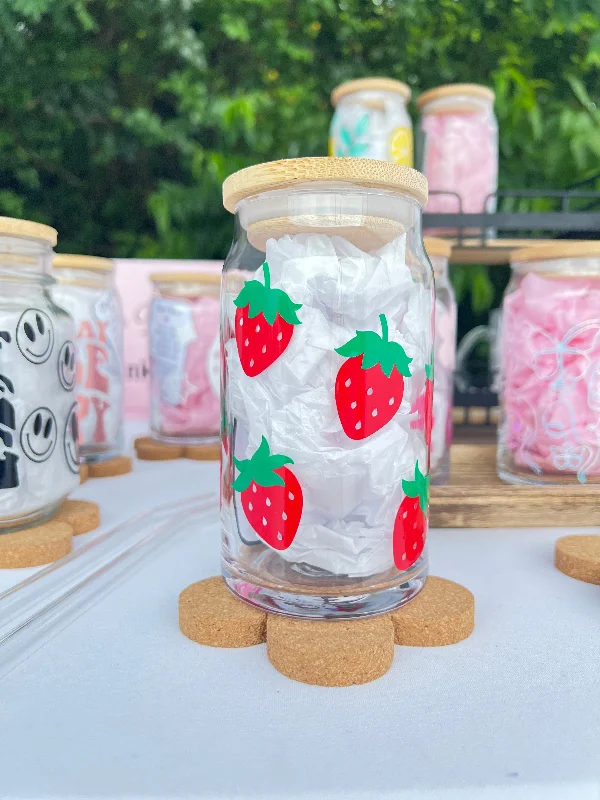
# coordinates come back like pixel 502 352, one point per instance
pixel 121 705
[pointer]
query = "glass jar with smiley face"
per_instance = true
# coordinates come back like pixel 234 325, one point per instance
pixel 39 460
pixel 86 288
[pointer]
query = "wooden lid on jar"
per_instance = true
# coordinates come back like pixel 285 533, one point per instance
pixel 31 230
pixel 556 250
pixel 212 278
pixel 291 172
pixel 437 247
pixel 454 89
pixel 364 232
pixel 89 263
pixel 370 84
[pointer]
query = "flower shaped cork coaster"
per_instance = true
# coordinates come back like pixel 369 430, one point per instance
pixel 579 557
pixel 82 515
pixel 339 653
pixel 149 449
pixel 33 547
pixel 120 465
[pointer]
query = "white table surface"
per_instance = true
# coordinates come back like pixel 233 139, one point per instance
pixel 121 705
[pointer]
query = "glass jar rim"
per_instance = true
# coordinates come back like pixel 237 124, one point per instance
pixel 290 173
pixel 370 84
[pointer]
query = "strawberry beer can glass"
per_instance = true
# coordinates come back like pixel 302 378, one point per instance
pixel 327 361
pixel 185 357
pixel 86 288
pixel 550 366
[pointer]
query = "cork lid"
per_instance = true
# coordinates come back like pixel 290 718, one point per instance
pixel 555 250
pixel 32 230
pixel 370 84
pixel 296 171
pixel 89 263
pixel 453 89
pixel 212 278
pixel 437 247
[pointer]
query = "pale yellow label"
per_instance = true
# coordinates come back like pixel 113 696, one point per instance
pixel 401 146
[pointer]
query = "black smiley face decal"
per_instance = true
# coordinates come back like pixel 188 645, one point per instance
pixel 71 440
pixel 66 366
pixel 35 335
pixel 39 435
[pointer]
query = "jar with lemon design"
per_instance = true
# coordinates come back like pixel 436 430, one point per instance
pixel 371 121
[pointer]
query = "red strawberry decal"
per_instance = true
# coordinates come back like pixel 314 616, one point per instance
pixel 271 496
pixel 264 324
pixel 369 386
pixel 410 525
pixel 423 407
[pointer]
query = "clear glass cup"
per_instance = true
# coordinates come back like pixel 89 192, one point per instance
pixel 371 120
pixel 185 358
pixel 439 251
pixel 550 366
pixel 86 288
pixel 327 331
pixel 39 464
pixel 458 149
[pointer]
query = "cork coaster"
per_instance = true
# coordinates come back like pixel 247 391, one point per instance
pixel 331 653
pixel 84 473
pixel 149 449
pixel 82 515
pixel 35 546
pixel 120 465
pixel 442 613
pixel 579 557
pixel 203 452
pixel 210 614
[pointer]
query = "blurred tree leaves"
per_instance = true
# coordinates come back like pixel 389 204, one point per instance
pixel 119 119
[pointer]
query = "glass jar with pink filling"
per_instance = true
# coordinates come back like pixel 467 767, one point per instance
pixel 185 358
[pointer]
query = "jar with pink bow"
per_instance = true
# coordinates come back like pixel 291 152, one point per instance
pixel 550 366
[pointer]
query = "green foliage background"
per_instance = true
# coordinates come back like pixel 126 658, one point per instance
pixel 119 119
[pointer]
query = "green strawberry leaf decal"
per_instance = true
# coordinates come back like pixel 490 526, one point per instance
pixel 418 488
pixel 262 299
pixel 376 349
pixel 260 468
pixel 429 371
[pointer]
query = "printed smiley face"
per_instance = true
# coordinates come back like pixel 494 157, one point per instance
pixel 66 366
pixel 39 435
pixel 71 440
pixel 35 335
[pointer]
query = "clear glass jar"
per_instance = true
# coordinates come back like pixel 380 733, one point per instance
pixel 371 121
pixel 86 288
pixel 327 329
pixel 440 434
pixel 550 366
pixel 458 148
pixel 39 464
pixel 185 358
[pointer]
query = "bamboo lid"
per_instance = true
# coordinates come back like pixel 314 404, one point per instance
pixel 213 278
pixel 453 89
pixel 554 250
pixel 437 247
pixel 90 263
pixel 296 171
pixel 32 230
pixel 370 84
pixel 366 233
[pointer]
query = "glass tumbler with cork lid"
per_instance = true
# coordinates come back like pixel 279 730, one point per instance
pixel 39 458
pixel 371 120
pixel 439 251
pixel 85 286
pixel 327 342
pixel 185 357
pixel 550 366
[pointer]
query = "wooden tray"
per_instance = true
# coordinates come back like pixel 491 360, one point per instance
pixel 475 497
